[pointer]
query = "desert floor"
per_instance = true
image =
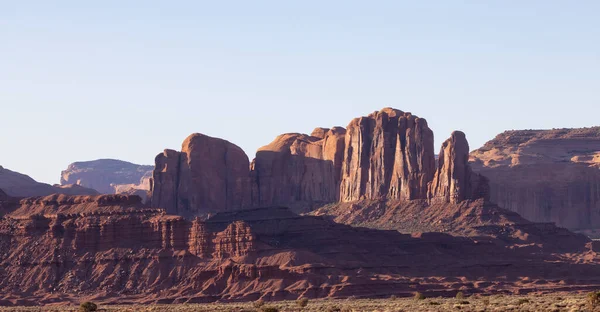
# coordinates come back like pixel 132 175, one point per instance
pixel 552 302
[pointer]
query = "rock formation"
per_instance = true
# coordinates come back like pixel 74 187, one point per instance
pixel 298 170
pixel 545 175
pixel 108 176
pixel 388 154
pixel 208 175
pixel 67 204
pixel 19 185
pixel 454 181
pixel 385 155
pixel 146 256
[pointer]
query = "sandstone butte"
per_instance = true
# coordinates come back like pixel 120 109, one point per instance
pixel 545 175
pixel 385 155
pixel 219 233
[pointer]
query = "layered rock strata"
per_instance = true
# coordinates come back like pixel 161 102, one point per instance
pixel 545 175
pixel 146 256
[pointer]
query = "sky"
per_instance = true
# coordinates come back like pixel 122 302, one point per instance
pixel 83 80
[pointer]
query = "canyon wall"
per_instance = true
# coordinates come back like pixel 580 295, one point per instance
pixel 545 175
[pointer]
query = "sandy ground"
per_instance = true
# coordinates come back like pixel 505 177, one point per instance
pixel 553 302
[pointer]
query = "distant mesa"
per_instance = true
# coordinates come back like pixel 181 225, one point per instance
pixel 109 176
pixel 545 175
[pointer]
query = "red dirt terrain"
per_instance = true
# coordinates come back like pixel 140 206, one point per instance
pixel 142 255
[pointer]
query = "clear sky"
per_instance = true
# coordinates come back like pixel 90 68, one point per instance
pixel 82 80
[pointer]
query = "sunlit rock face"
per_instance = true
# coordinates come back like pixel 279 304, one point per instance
pixel 545 175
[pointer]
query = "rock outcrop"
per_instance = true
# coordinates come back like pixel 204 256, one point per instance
pixel 67 205
pixel 385 155
pixel 145 256
pixel 108 176
pixel 208 175
pixel 388 154
pixel 545 175
pixel 299 170
pixel 20 185
pixel 454 180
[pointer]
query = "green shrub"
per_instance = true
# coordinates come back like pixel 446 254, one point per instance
pixel 334 309
pixel 419 296
pixel 393 297
pixel 523 301
pixel 269 309
pixel 460 295
pixel 88 307
pixel 258 303
pixel 302 302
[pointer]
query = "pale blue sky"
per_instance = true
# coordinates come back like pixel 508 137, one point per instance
pixel 82 80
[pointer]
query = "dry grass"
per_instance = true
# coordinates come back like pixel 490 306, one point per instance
pixel 553 302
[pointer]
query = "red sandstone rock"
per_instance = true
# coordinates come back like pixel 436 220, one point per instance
pixel 208 175
pixel 145 256
pixel 545 175
pixel 66 204
pixel 298 171
pixel 389 154
pixel 454 181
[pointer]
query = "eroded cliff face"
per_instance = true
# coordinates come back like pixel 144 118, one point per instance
pixel 73 205
pixel 385 155
pixel 545 175
pixel 208 175
pixel 454 180
pixel 389 154
pixel 299 170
